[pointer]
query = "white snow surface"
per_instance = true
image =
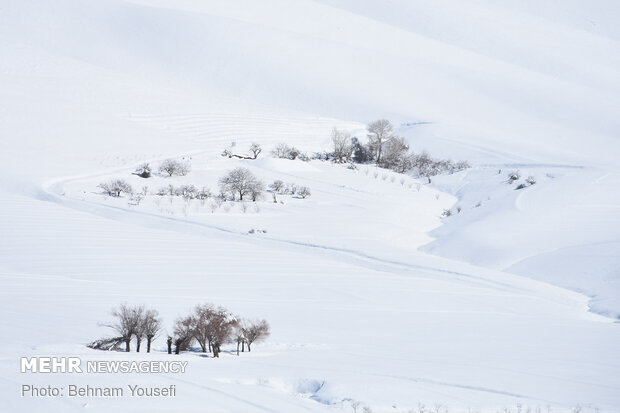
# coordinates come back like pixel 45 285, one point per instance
pixel 371 295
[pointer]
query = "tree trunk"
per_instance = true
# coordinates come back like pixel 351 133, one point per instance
pixel 243 346
pixel 249 347
pixel 138 342
pixel 177 348
pixel 169 342
pixel 148 344
pixel 128 345
pixel 237 347
pixel 210 346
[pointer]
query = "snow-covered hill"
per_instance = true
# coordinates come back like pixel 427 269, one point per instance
pixel 371 295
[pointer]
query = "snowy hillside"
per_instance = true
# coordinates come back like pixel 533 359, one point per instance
pixel 509 303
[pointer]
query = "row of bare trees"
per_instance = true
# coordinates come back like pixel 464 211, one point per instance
pixel 131 322
pixel 208 325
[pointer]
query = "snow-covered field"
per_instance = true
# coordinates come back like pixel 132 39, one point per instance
pixel 370 293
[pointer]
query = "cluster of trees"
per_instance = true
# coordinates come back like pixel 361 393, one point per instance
pixel 208 325
pixel 168 167
pixel 131 322
pixel 282 188
pixel 285 151
pixel 213 326
pixel 388 150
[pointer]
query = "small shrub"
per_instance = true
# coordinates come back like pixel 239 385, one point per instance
pixel 277 186
pixel 520 186
pixel 514 176
pixel 530 180
pixel 304 192
pixel 203 194
pixel 143 171
pixel 446 213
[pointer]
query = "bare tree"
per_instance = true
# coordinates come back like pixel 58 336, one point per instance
pixel 256 149
pixel 241 182
pixel 200 328
pixel 239 336
pixel 277 186
pixel 174 167
pixel 286 152
pixel 343 149
pixel 212 327
pixel 304 192
pixel 139 331
pixel 116 187
pixel 395 155
pixel 255 330
pixel 183 334
pixel 379 132
pixel 126 324
pixel 221 325
pixel 151 325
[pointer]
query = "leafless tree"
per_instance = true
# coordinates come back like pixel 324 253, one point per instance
pixel 277 186
pixel 116 187
pixel 395 155
pixel 174 167
pixel 221 325
pixel 200 328
pixel 286 152
pixel 127 322
pixel 212 327
pixel 343 149
pixel 256 149
pixel 304 192
pixel 241 182
pixel 183 334
pixel 255 330
pixel 379 132
pixel 151 325
pixel 139 331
